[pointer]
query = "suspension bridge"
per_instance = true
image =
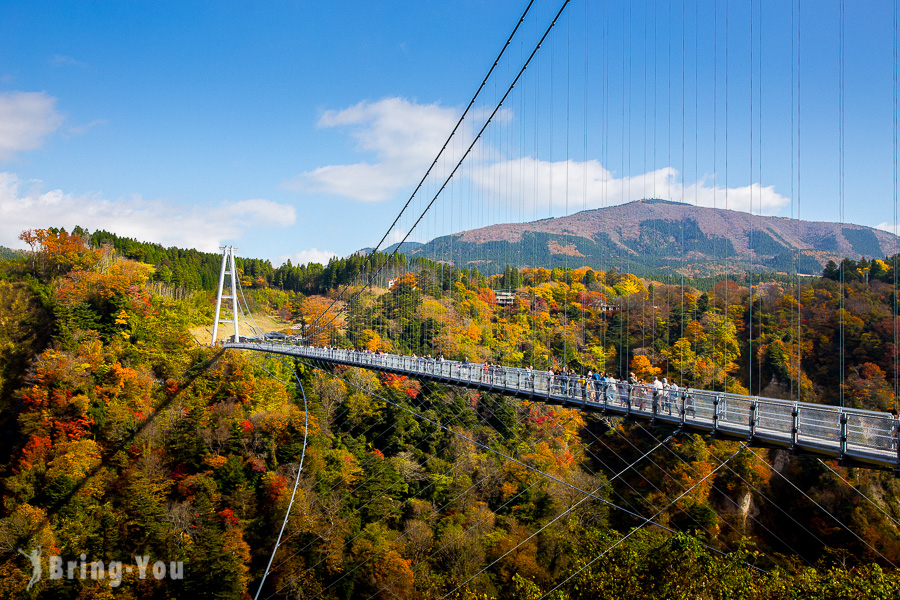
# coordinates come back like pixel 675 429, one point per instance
pixel 593 106
pixel 855 437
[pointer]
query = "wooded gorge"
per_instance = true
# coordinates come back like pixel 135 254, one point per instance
pixel 124 438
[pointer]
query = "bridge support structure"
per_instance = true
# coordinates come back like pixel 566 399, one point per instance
pixel 230 271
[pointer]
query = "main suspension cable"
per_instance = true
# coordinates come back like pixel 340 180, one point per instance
pixel 436 158
pixel 464 156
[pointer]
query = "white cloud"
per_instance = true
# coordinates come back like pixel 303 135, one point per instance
pixel 313 255
pixel 204 228
pixel 590 185
pixel 395 236
pixel 60 60
pixel 80 129
pixel 889 227
pixel 259 212
pixel 404 137
pixel 25 119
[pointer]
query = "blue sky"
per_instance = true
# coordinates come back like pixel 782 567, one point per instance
pixel 297 130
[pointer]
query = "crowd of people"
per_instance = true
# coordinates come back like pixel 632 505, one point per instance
pixel 597 386
pixel 659 395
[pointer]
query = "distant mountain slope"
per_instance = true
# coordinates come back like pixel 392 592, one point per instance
pixel 7 253
pixel 652 236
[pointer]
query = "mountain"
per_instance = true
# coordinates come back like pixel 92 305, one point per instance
pixel 653 237
pixel 8 253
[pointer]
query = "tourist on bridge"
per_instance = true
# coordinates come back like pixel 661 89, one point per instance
pixel 673 397
pixel 689 406
pixel 633 391
pixel 895 429
pixel 642 391
pixel 657 391
pixel 610 386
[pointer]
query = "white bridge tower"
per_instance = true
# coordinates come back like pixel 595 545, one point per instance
pixel 229 269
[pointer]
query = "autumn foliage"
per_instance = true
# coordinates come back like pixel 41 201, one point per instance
pixel 126 438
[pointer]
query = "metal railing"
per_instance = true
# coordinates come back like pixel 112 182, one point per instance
pixel 856 436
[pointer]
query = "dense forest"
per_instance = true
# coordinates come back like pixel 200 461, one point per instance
pixel 200 270
pixel 125 440
pixel 8 253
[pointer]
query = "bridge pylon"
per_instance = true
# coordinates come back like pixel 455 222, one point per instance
pixel 228 270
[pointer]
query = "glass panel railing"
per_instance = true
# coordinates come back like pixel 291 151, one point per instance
pixel 772 418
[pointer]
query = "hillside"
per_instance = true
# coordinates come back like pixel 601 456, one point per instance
pixel 124 438
pixel 7 253
pixel 653 237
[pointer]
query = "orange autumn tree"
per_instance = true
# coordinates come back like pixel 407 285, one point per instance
pixel 122 277
pixel 55 252
pixel 318 315
pixel 643 369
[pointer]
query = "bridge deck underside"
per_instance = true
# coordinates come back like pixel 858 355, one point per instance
pixel 856 437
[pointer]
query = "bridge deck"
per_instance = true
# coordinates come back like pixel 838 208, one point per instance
pixel 857 437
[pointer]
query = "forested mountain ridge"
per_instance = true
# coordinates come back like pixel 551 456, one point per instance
pixel 124 438
pixel 653 237
pixel 7 253
pixel 198 270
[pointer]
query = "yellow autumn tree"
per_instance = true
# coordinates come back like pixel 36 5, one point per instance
pixel 643 369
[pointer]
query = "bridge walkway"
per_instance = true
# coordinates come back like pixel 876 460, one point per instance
pixel 855 437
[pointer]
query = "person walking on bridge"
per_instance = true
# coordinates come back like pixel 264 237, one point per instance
pixel 673 397
pixel 657 391
pixel 630 391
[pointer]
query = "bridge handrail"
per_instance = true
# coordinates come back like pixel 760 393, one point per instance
pixel 789 421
